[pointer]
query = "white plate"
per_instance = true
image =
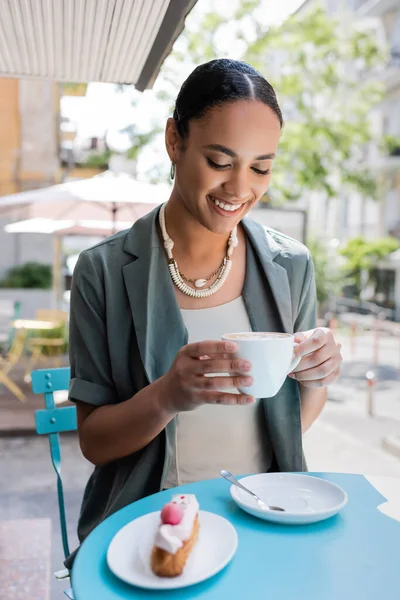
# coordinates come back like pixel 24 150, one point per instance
pixel 306 499
pixel 128 554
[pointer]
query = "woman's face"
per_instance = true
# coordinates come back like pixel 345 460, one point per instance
pixel 224 165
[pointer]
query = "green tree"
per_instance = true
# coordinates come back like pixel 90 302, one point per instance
pixel 136 137
pixel 317 66
pixel 138 140
pixel 320 80
pixel 362 255
pixel 97 159
pixel 327 272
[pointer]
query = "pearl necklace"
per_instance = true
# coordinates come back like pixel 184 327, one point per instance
pixel 199 283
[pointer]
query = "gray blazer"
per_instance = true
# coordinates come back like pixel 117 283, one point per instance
pixel 126 328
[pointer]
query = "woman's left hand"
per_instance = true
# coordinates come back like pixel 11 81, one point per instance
pixel 321 358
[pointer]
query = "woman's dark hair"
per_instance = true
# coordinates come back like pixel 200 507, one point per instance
pixel 217 82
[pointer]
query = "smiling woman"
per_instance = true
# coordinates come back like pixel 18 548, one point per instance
pixel 222 140
pixel 149 307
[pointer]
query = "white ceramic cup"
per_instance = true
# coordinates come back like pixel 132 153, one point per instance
pixel 271 357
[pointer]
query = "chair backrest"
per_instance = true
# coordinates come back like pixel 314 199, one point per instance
pixel 51 421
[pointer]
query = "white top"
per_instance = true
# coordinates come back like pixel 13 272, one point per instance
pixel 215 437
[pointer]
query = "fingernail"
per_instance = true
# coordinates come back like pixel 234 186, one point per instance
pixel 246 381
pixel 249 399
pixel 246 366
pixel 292 375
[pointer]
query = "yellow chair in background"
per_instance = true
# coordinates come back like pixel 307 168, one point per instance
pixel 9 361
pixel 49 348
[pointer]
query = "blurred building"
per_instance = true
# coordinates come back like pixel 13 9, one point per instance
pixel 29 125
pixel 32 134
pixel 352 215
pixel 387 14
pixel 30 157
pixel 43 47
pixel 29 134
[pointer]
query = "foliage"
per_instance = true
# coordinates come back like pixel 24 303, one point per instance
pixel 138 140
pixel 362 255
pixel 392 145
pixel 327 273
pixel 317 65
pixel 320 84
pixel 28 275
pixel 98 159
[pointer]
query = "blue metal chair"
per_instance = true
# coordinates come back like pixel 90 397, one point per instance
pixel 51 421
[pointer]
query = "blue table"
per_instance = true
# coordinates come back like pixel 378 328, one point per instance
pixel 352 556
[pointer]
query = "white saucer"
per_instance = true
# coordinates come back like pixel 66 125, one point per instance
pixel 128 554
pixel 306 499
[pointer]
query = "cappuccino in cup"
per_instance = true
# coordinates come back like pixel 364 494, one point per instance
pixel 271 356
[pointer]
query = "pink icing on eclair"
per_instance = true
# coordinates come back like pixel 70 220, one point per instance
pixel 171 514
pixel 173 532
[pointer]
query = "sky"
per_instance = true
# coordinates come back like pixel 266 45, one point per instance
pixel 105 109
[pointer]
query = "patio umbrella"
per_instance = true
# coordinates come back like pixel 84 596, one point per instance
pixel 109 196
pixel 79 207
pixel 61 228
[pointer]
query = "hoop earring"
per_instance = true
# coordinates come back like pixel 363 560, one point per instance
pixel 172 171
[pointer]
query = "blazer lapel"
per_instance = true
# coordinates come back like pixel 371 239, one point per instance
pixel 158 323
pixel 282 413
pixel 159 326
pixel 265 249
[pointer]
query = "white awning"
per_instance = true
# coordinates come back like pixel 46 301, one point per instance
pixel 122 41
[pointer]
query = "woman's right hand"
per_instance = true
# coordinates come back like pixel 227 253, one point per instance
pixel 185 386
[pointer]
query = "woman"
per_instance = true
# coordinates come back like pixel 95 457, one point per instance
pixel 148 303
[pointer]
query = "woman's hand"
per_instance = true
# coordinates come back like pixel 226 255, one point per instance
pixel 321 358
pixel 186 386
